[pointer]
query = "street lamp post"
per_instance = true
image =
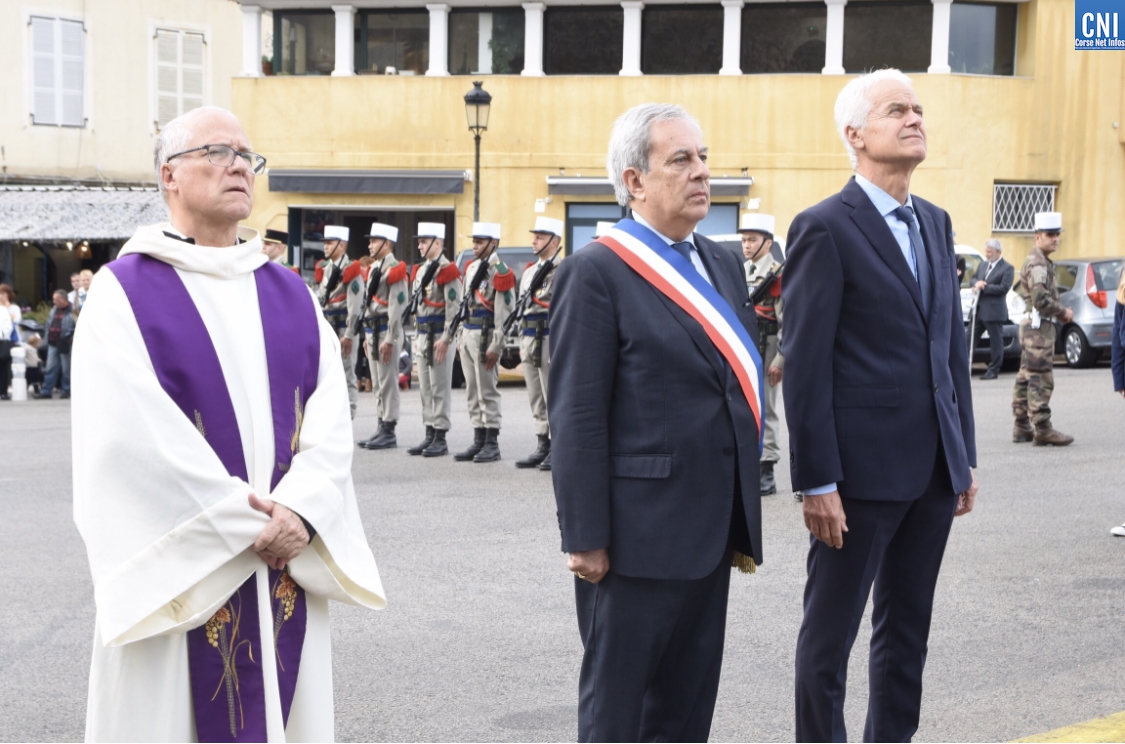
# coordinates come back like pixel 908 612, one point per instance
pixel 477 102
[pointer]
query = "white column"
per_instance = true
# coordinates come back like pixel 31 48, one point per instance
pixel 484 37
pixel 631 43
pixel 834 38
pixel 439 40
pixel 732 37
pixel 345 40
pixel 939 46
pixel 252 41
pixel 533 39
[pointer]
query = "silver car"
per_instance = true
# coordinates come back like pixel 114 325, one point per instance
pixel 1087 286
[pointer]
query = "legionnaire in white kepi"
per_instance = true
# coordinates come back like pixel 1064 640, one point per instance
pixel 763 282
pixel 377 307
pixel 532 315
pixel 489 298
pixel 333 275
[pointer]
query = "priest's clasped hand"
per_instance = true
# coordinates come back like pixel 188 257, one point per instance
pixel 284 537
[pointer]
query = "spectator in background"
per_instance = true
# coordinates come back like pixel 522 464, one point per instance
pixel 34 373
pixel 1118 363
pixel 75 285
pixel 60 334
pixel 84 278
pixel 8 338
pixel 991 284
pixel 9 302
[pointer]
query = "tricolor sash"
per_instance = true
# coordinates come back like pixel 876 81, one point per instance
pixel 224 654
pixel 678 280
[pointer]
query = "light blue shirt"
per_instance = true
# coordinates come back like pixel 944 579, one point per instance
pixel 695 259
pixel 886 204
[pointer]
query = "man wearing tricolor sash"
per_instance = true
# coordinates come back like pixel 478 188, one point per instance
pixel 212 469
pixel 655 414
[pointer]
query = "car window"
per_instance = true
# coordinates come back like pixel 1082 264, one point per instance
pixel 971 264
pixel 1065 276
pixel 1107 274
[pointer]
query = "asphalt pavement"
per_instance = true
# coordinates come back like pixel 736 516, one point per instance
pixel 479 641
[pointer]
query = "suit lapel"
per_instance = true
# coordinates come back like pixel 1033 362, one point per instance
pixel 874 227
pixel 935 250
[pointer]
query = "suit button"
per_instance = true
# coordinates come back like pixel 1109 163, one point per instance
pixel 728 450
pixel 728 397
pixel 935 388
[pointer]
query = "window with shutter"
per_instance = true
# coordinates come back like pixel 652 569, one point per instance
pixel 58 50
pixel 179 73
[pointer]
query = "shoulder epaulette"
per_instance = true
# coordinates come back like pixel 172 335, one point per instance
pixel 529 265
pixel 448 274
pixel 397 273
pixel 354 269
pixel 504 279
pixel 318 274
pixel 775 290
pixel 414 272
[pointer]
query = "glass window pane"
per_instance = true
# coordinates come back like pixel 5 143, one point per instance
pixel 982 38
pixel 585 40
pixel 307 43
pixel 486 42
pixel 888 34
pixel 664 30
pixel 604 212
pixel 721 219
pixel 398 40
pixel 786 37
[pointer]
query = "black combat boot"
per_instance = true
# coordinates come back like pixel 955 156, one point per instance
pixel 438 447
pixel 491 450
pixel 418 448
pixel 539 455
pixel 474 448
pixel 767 485
pixel 378 433
pixel 385 439
pixel 546 464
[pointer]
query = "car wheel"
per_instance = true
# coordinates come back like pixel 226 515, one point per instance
pixel 1077 349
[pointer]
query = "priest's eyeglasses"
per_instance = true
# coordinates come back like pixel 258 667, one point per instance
pixel 223 157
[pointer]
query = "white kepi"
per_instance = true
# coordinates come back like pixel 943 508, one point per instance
pixel 548 225
pixel 379 230
pixel 431 230
pixel 489 230
pixel 757 222
pixel 336 232
pixel 1048 221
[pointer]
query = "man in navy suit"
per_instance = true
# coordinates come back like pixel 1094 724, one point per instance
pixel 879 411
pixel 655 452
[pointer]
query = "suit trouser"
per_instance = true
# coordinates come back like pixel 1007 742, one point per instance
pixel 386 375
pixel 536 378
pixel 435 383
pixel 482 386
pixel 995 330
pixel 653 650
pixel 770 451
pixel 898 545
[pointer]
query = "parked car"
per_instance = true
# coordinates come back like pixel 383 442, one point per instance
pixel 1087 286
pixel 1017 310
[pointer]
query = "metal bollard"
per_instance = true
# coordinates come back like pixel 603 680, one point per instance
pixel 19 374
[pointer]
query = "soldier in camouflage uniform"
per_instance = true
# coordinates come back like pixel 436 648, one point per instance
pixel 439 282
pixel 757 239
pixel 334 273
pixel 482 340
pixel 534 330
pixel 1031 400
pixel 378 308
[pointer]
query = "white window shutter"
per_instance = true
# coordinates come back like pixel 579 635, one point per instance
pixel 191 72
pixel 72 48
pixel 167 77
pixel 44 86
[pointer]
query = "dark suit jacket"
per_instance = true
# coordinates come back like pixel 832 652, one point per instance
pixel 871 386
pixel 650 430
pixel 992 304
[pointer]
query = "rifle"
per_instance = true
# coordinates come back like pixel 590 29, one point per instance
pixel 369 294
pixel 772 276
pixel 333 282
pixel 463 311
pixel 525 300
pixel 416 298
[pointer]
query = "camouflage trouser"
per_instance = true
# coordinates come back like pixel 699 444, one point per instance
pixel 1036 379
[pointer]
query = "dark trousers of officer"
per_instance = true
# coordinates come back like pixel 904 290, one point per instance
pixel 654 651
pixel 995 330
pixel 898 546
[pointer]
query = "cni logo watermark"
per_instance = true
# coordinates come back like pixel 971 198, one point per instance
pixel 1098 24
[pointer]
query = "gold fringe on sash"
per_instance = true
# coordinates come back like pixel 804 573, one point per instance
pixel 743 563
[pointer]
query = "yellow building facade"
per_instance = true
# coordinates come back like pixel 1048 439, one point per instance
pixel 1058 121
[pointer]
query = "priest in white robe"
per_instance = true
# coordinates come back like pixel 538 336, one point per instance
pixel 212 470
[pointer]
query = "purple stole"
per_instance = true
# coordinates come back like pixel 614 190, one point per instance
pixel 227 684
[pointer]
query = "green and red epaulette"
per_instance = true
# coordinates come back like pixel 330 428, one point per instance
pixel 414 272
pixel 354 270
pixel 318 274
pixel 775 289
pixel 529 265
pixel 397 273
pixel 448 274
pixel 505 279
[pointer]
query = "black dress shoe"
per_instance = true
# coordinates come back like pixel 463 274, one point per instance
pixel 43 396
pixel 64 395
pixel 989 375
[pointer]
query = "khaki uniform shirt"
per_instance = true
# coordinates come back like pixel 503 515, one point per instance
pixel 340 273
pixel 383 303
pixel 769 308
pixel 495 295
pixel 443 296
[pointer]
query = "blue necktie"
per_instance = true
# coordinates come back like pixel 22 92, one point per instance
pixel 684 249
pixel 921 260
